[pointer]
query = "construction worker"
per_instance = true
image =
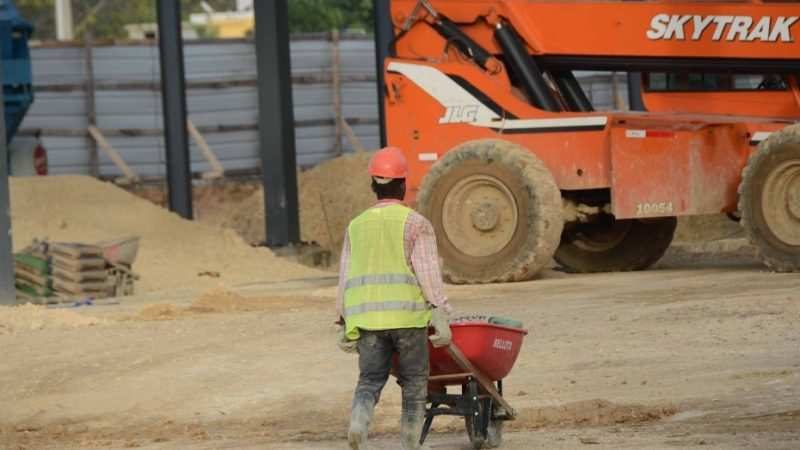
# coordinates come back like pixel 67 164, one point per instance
pixel 390 290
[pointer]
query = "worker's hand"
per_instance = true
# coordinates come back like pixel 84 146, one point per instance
pixel 346 345
pixel 441 325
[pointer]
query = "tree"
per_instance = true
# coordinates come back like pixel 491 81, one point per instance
pixel 107 18
pixel 327 15
pixel 40 14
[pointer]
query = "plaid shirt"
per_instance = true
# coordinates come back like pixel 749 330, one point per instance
pixel 419 242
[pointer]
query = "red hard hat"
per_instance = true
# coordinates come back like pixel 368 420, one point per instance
pixel 388 162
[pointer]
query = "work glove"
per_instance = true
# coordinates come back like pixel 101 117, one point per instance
pixel 441 326
pixel 346 345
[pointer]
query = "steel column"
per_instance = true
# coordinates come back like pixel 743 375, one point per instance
pixel 8 294
pixel 173 100
pixel 384 34
pixel 635 102
pixel 276 122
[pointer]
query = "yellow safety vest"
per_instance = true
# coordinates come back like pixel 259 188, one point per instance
pixel 382 292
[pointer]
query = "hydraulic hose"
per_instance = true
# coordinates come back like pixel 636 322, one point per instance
pixel 525 68
pixel 464 43
pixel 572 92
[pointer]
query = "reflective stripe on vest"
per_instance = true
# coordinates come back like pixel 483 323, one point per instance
pixel 381 278
pixel 384 306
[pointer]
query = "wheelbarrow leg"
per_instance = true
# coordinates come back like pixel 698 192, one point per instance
pixel 426 428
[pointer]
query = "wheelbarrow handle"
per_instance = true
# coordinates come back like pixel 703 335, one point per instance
pixel 483 380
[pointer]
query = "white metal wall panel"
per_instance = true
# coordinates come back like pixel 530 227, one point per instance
pixel 58 65
pixel 60 104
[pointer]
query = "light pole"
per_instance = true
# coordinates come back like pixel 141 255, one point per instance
pixel 8 295
pixel 64 24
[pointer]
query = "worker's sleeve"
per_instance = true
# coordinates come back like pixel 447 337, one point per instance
pixel 425 262
pixel 344 267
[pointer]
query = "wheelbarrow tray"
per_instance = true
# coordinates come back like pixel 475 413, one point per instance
pixel 492 350
pixel 120 251
pixel 480 355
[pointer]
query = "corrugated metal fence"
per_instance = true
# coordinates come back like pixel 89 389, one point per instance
pixel 221 100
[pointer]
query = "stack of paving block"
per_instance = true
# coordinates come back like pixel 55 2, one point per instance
pixel 78 270
pixel 32 277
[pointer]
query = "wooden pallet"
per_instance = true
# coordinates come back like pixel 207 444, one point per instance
pixel 72 288
pixel 25 273
pixel 75 251
pixel 32 288
pixel 27 297
pixel 80 276
pixel 78 265
pixel 33 262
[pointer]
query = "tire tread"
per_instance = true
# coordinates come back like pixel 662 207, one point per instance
pixel 770 256
pixel 546 215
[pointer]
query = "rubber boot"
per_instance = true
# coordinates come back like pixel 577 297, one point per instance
pixel 360 418
pixel 411 422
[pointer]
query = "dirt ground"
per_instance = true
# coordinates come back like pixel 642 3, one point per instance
pixel 702 351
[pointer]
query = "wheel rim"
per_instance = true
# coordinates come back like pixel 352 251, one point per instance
pixel 781 200
pixel 480 215
pixel 599 236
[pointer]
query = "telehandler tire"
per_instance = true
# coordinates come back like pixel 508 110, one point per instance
pixel 610 245
pixel 496 210
pixel 769 200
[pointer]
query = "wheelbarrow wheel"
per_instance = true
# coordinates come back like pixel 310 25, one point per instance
pixel 475 422
pixel 492 437
pixel 476 437
pixel 494 433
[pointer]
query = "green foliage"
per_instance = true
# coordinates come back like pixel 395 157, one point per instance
pixel 327 15
pixel 110 21
pixel 40 14
pixel 107 18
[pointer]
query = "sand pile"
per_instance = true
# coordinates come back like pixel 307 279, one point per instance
pixel 30 317
pixel 330 195
pixel 213 202
pixel 173 252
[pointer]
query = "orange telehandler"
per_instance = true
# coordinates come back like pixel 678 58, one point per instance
pixel 514 166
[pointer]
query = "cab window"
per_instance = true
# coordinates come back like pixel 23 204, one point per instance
pixel 696 81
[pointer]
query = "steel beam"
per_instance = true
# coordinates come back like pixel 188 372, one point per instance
pixel 8 294
pixel 276 122
pixel 384 34
pixel 173 100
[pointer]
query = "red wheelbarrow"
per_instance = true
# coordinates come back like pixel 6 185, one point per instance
pixel 481 354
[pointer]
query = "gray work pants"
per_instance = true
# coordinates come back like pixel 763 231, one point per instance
pixel 375 351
